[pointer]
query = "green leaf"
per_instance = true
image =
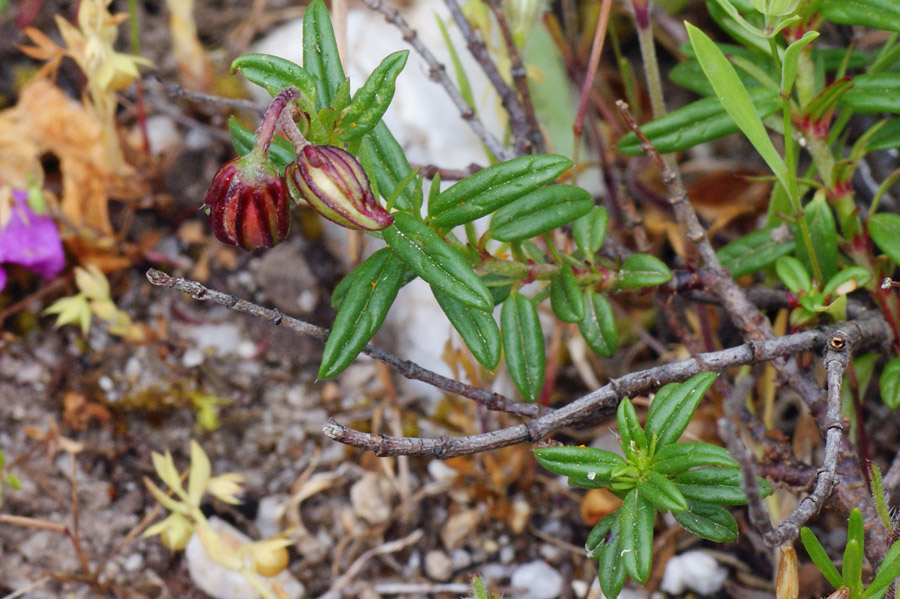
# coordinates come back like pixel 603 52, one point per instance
pixel 855 529
pixel 599 534
pixel 719 486
pixel 565 296
pixel 478 329
pixel 611 569
pixel 820 558
pixel 631 435
pixel 274 74
pixel 878 14
pixel 735 99
pixel 523 343
pixel 689 75
pixel 823 231
pixel 642 270
pixel 696 123
pixel 793 274
pixel 887 138
pixel 711 522
pixel 589 231
pixel 887 572
pixel 280 152
pixel 487 190
pixel 320 53
pixel 662 493
pixel 673 406
pixel 873 93
pixel 889 384
pixel 599 325
pixel 381 150
pixel 441 265
pixel 540 211
pixel 369 297
pixel 372 100
pixel 847 281
pixel 579 462
pixel 884 229
pixel 851 567
pixel 636 520
pixel 756 251
pixel 789 61
pixel 678 457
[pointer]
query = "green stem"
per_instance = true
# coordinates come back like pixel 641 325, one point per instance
pixel 648 55
pixel 790 160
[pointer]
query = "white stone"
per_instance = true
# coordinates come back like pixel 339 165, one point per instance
pixel 192 357
pixel 438 566
pixel 537 580
pixel 695 571
pixel 134 562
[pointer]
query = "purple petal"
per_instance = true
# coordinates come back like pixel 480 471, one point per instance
pixel 31 240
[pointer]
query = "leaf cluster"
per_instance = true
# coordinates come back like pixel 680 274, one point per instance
pixel 655 474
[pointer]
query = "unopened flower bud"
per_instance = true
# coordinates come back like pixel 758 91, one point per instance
pixel 248 204
pixel 335 185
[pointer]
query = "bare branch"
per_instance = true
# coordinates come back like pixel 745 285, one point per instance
pixel 603 401
pixel 437 73
pixel 410 370
pixel 836 354
pixel 174 91
pixel 520 77
pixel 728 430
pixel 518 123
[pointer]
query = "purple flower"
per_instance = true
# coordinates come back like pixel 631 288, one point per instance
pixel 30 240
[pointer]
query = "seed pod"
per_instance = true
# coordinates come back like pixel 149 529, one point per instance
pixel 248 204
pixel 333 182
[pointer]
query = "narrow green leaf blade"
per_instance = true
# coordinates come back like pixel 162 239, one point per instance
pixel 631 435
pixel 540 211
pixel 274 74
pixel 884 228
pixel 696 123
pixel 735 99
pixel 889 384
pixel 599 325
pixel 642 270
pixel 487 190
pixel 579 462
pixel 442 266
pixel 637 519
pixel 372 100
pixel 320 53
pixel 679 457
pixel 820 557
pixel 756 251
pixel 611 569
pixel 712 522
pixel 589 231
pixel 523 344
pixel 662 493
pixel 887 572
pixel 670 412
pixel 371 293
pixel 565 296
pixel 878 14
pixel 718 486
pixel 793 274
pixel 478 329
pixel 389 164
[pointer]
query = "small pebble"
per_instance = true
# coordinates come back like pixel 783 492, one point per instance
pixel 507 554
pixel 461 559
pixel 134 562
pixel 695 571
pixel 537 580
pixel 438 566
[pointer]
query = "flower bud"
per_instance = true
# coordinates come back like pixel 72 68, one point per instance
pixel 177 532
pixel 335 185
pixel 248 204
